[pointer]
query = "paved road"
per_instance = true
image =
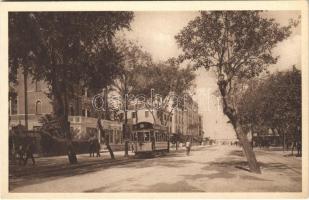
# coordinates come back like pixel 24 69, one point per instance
pixel 207 169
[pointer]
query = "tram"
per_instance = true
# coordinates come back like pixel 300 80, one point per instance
pixel 149 139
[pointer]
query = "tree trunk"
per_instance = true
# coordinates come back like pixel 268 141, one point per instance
pixel 60 110
pixel 67 130
pixel 125 128
pixel 231 114
pixel 106 138
pixel 248 150
pixel 26 97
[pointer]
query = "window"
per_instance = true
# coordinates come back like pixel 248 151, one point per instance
pixel 147 137
pixel 134 136
pixel 146 113
pixel 140 136
pixel 133 114
pixel 120 136
pixel 37 86
pixel 38 107
pixel 117 137
pixel 111 136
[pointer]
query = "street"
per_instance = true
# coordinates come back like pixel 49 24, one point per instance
pixel 220 168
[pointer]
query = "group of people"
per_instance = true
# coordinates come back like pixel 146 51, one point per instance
pixel 94 147
pixel 24 152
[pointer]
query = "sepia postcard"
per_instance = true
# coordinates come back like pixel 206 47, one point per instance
pixel 170 99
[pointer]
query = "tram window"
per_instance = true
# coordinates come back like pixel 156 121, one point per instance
pixel 140 136
pixel 152 136
pixel 146 136
pixel 135 136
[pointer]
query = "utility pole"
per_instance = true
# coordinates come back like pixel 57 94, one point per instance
pixel 136 116
pixel 26 97
pixel 126 145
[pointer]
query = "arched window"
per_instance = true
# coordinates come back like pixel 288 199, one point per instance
pixel 71 110
pixel 38 107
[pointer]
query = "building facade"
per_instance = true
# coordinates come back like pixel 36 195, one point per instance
pixel 186 121
pixel 81 117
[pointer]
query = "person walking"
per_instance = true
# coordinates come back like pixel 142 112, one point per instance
pixel 29 153
pixel 91 146
pixel 188 147
pixel 20 153
pixel 132 147
pixel 299 148
pixel 98 147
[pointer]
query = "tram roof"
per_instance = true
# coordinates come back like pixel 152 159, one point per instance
pixel 148 125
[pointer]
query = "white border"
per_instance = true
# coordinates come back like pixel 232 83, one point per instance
pixel 148 6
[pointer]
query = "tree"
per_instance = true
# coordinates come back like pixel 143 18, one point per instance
pixel 165 87
pixel 140 75
pixel 67 50
pixel 274 102
pixel 133 58
pixel 237 45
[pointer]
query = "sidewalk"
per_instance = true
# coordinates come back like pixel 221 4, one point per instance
pixel 279 151
pixel 56 163
pixel 214 168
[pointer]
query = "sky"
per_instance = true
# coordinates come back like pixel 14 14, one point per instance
pixel 155 32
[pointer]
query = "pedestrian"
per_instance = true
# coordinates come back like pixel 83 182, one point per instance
pixel 29 153
pixel 299 148
pixel 20 153
pixel 91 147
pixel 98 147
pixel 71 154
pixel 132 147
pixel 188 147
pixel 294 146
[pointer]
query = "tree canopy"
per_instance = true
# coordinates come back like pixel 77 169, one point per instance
pixel 237 45
pixel 67 50
pixel 273 102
